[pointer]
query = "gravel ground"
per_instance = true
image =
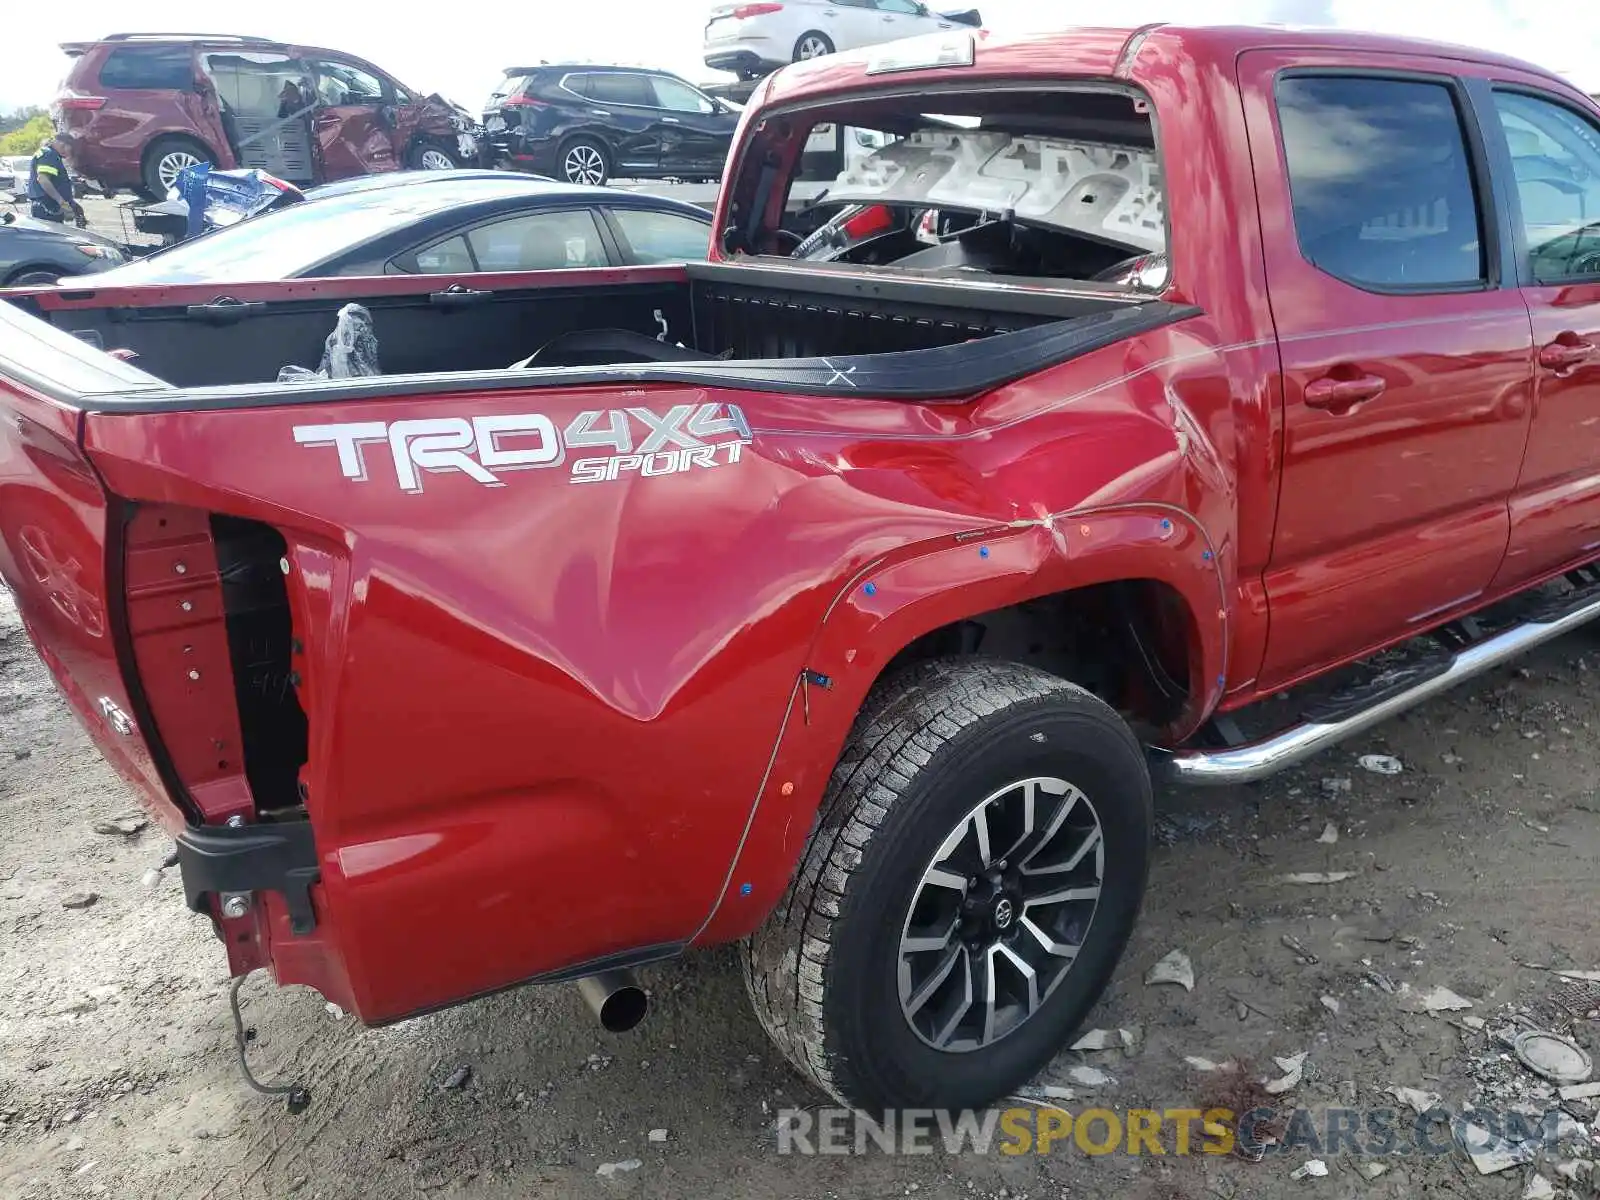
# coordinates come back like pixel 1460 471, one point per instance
pixel 1474 869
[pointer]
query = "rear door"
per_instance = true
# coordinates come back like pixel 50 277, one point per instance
pixel 354 119
pixel 851 24
pixel 623 104
pixel 695 135
pixel 1548 151
pixel 1405 350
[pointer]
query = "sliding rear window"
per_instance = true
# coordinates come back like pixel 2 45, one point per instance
pixel 1014 181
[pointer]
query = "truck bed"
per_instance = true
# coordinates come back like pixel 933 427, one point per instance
pixel 825 331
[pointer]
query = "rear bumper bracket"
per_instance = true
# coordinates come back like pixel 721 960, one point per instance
pixel 251 858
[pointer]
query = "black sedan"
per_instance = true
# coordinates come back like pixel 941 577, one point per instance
pixel 448 223
pixel 39 252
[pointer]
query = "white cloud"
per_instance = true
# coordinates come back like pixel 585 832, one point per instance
pixel 460 49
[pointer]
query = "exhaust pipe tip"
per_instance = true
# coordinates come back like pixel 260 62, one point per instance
pixel 615 998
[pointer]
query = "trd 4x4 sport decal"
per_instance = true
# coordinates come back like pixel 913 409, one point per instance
pixel 640 441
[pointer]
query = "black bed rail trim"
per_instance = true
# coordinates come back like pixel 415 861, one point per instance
pixel 842 283
pixel 277 857
pixel 951 374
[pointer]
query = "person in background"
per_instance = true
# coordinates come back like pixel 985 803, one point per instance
pixel 290 101
pixel 49 187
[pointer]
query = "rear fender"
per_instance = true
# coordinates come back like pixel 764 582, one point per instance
pixel 900 597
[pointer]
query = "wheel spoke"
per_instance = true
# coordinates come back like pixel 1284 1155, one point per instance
pixel 926 942
pixel 1022 968
pixel 1051 946
pixel 991 994
pixel 939 877
pixel 980 829
pixel 1030 803
pixel 1063 896
pixel 943 1034
pixel 915 1002
pixel 1090 842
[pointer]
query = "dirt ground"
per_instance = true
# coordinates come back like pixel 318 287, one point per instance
pixel 1474 869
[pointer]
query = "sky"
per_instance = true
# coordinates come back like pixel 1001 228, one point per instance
pixel 428 49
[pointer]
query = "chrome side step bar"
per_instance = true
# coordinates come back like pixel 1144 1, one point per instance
pixel 1246 764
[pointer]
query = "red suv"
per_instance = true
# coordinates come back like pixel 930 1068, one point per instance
pixel 138 108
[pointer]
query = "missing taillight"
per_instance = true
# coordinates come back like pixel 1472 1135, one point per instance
pixel 261 644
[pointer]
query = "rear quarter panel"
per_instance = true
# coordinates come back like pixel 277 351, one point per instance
pixel 546 716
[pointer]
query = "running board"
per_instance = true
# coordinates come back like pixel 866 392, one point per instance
pixel 1246 764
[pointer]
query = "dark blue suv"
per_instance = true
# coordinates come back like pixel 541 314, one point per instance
pixel 588 124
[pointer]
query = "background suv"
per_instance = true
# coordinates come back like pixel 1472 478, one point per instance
pixel 753 40
pixel 588 124
pixel 138 108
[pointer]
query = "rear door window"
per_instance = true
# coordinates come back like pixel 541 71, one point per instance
pixel 616 87
pixel 657 237
pixel 1555 158
pixel 679 97
pixel 159 67
pixel 1381 182
pixel 543 241
pixel 449 257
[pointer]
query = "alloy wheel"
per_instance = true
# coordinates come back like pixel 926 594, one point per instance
pixel 437 160
pixel 584 164
pixel 172 164
pixel 812 47
pixel 1000 913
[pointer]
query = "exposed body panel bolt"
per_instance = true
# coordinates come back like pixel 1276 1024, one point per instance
pixel 235 904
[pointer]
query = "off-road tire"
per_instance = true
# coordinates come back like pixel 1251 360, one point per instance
pixel 929 743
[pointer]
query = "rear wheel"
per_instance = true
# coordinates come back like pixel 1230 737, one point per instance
pixel 812 45
pixel 431 156
pixel 165 159
pixel 975 873
pixel 584 160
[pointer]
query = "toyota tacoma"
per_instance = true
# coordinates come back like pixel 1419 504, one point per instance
pixel 1166 403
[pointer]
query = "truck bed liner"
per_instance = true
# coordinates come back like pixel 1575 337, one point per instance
pixel 823 334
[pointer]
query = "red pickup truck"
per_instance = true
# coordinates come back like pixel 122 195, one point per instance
pixel 840 596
